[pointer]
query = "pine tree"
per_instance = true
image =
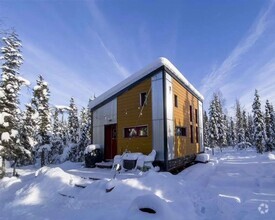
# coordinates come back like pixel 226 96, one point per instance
pixel 73 123
pixel 205 129
pixel 27 134
pixel 41 102
pixel 9 100
pixel 213 124
pixel 258 123
pixel 232 139
pixel 220 122
pixel 272 122
pixel 57 143
pixel 239 123
pixel 250 129
pixel 245 126
pixel 268 127
pixel 217 127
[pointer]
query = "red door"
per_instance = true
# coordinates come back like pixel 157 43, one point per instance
pixel 110 141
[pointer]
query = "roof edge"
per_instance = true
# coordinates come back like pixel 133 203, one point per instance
pixel 161 61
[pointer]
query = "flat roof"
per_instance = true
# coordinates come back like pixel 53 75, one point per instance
pixel 141 74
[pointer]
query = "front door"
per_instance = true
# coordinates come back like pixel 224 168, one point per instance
pixel 110 141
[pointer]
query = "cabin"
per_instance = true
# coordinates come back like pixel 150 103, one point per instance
pixel 154 108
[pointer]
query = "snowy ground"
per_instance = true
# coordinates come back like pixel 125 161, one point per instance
pixel 233 185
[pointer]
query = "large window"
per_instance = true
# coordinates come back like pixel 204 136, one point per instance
pixel 142 99
pixel 180 131
pixel 138 131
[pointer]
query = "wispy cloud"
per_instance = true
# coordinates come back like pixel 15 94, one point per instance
pixel 216 78
pixel 237 73
pixel 122 70
pixel 64 82
pixel 104 27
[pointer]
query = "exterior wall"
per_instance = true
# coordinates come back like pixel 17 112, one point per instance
pixel 102 116
pixel 182 144
pixel 128 111
pixel 157 115
pixel 169 117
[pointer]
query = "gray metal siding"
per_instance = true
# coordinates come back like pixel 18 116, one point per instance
pixel 170 117
pixel 106 114
pixel 157 115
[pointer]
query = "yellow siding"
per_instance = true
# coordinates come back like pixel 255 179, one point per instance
pixel 183 145
pixel 128 110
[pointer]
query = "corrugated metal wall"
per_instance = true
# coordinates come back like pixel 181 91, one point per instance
pixel 170 117
pixel 102 116
pixel 157 115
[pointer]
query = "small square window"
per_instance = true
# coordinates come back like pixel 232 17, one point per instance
pixel 180 131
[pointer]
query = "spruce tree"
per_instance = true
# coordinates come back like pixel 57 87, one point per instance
pixel 258 122
pixel 245 126
pixel 232 139
pixel 27 134
pixel 41 102
pixel 205 129
pixel 73 124
pixel 9 100
pixel 268 128
pixel 213 124
pixel 250 129
pixel 239 123
pixel 56 142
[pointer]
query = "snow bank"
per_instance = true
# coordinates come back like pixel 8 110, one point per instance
pixel 203 158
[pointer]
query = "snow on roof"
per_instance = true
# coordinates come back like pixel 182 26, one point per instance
pixel 162 61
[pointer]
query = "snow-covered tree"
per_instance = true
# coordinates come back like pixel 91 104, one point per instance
pixel 245 126
pixel 56 141
pixel 269 142
pixel 41 102
pixel 232 137
pixel 239 123
pixel 217 134
pixel 258 122
pixel 27 133
pixel 73 124
pixel 250 129
pixel 9 100
pixel 205 129
pixel 213 127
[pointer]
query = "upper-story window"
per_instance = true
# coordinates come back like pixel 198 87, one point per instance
pixel 142 99
pixel 176 100
pixel 191 116
pixel 196 115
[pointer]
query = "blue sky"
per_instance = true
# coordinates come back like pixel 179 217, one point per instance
pixel 86 47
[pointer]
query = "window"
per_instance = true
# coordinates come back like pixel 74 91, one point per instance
pixel 191 133
pixel 191 113
pixel 138 131
pixel 176 100
pixel 196 115
pixel 142 99
pixel 197 135
pixel 180 131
